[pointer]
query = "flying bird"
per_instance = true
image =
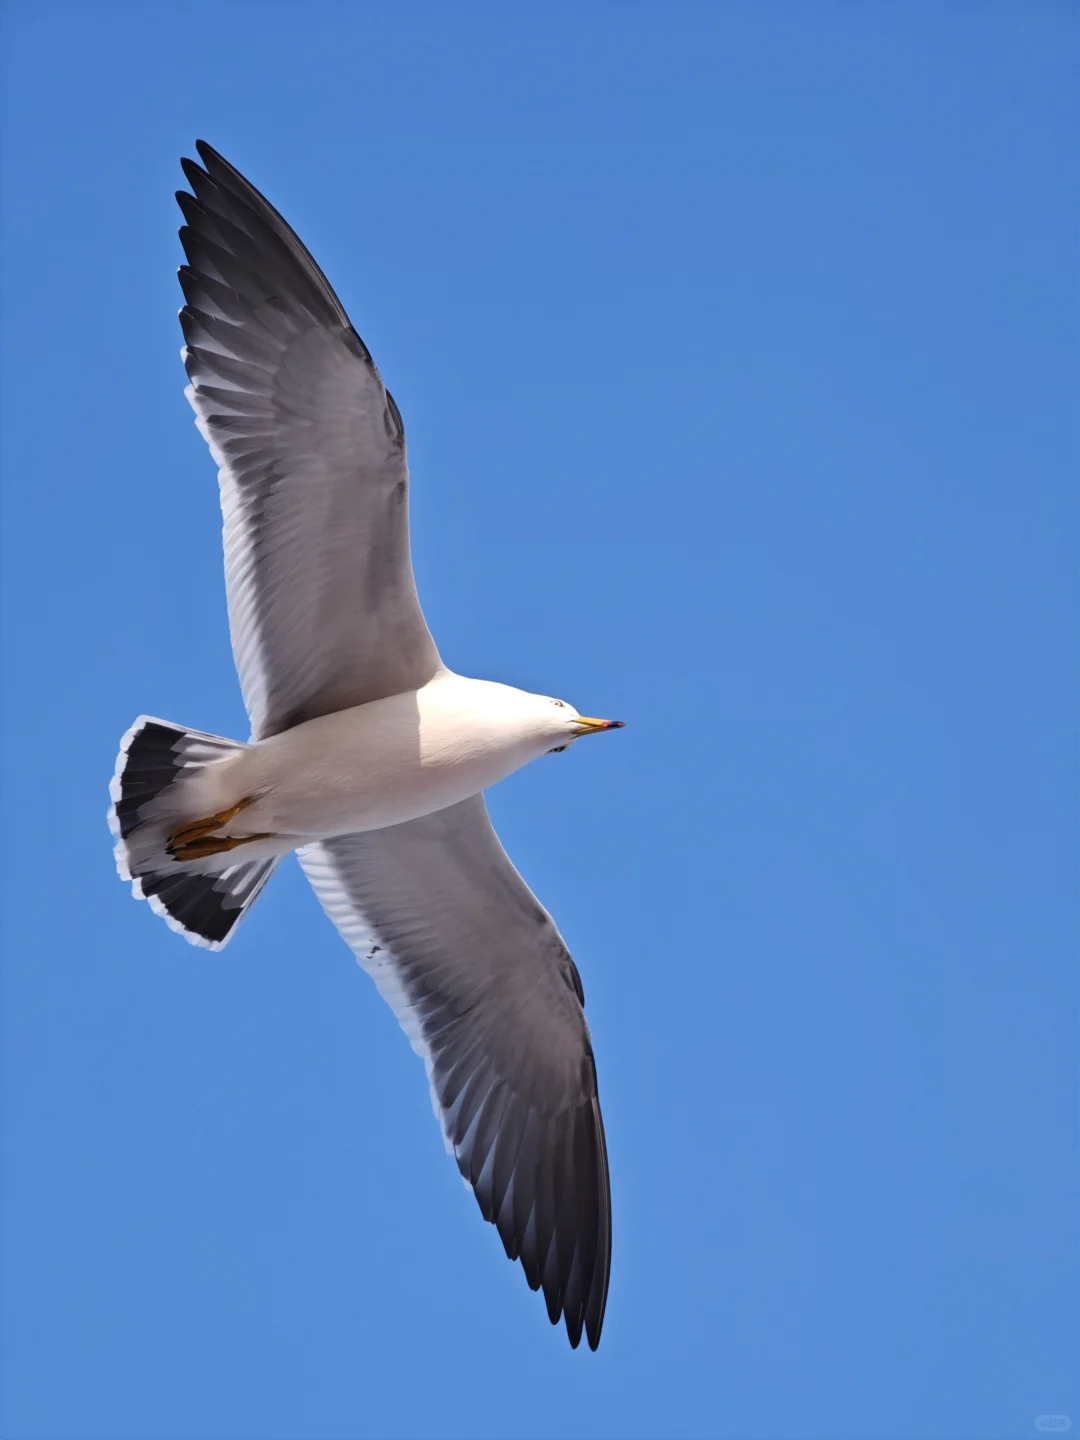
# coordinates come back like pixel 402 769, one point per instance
pixel 367 756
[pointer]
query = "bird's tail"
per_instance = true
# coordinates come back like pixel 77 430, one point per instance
pixel 155 772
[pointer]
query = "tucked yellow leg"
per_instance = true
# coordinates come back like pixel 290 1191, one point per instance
pixel 211 845
pixel 196 840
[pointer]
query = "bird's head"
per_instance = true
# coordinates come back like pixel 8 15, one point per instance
pixel 564 725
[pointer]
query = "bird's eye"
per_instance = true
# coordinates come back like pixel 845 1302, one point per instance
pixel 561 704
pixel 558 750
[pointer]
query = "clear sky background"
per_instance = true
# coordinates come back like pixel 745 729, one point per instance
pixel 736 346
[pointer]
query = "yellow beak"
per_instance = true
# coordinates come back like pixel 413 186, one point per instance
pixel 593 727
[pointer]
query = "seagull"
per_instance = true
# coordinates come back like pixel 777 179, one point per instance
pixel 367 756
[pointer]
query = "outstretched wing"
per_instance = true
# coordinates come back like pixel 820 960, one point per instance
pixel 485 988
pixel 314 485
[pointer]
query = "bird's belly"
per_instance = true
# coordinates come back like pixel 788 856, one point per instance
pixel 320 802
pixel 358 771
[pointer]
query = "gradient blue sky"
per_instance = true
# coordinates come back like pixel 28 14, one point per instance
pixel 736 346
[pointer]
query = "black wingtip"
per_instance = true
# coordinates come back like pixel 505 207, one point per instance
pixel 217 167
pixel 191 208
pixel 193 172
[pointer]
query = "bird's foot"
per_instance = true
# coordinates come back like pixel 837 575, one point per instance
pixel 197 839
pixel 211 845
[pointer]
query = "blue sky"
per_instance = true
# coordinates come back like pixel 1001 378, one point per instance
pixel 736 346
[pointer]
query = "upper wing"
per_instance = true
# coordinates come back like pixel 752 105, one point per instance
pixel 483 985
pixel 314 486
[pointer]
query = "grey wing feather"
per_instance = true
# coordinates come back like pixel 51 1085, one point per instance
pixel 484 986
pixel 323 607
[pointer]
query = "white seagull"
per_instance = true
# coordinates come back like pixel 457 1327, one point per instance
pixel 368 757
